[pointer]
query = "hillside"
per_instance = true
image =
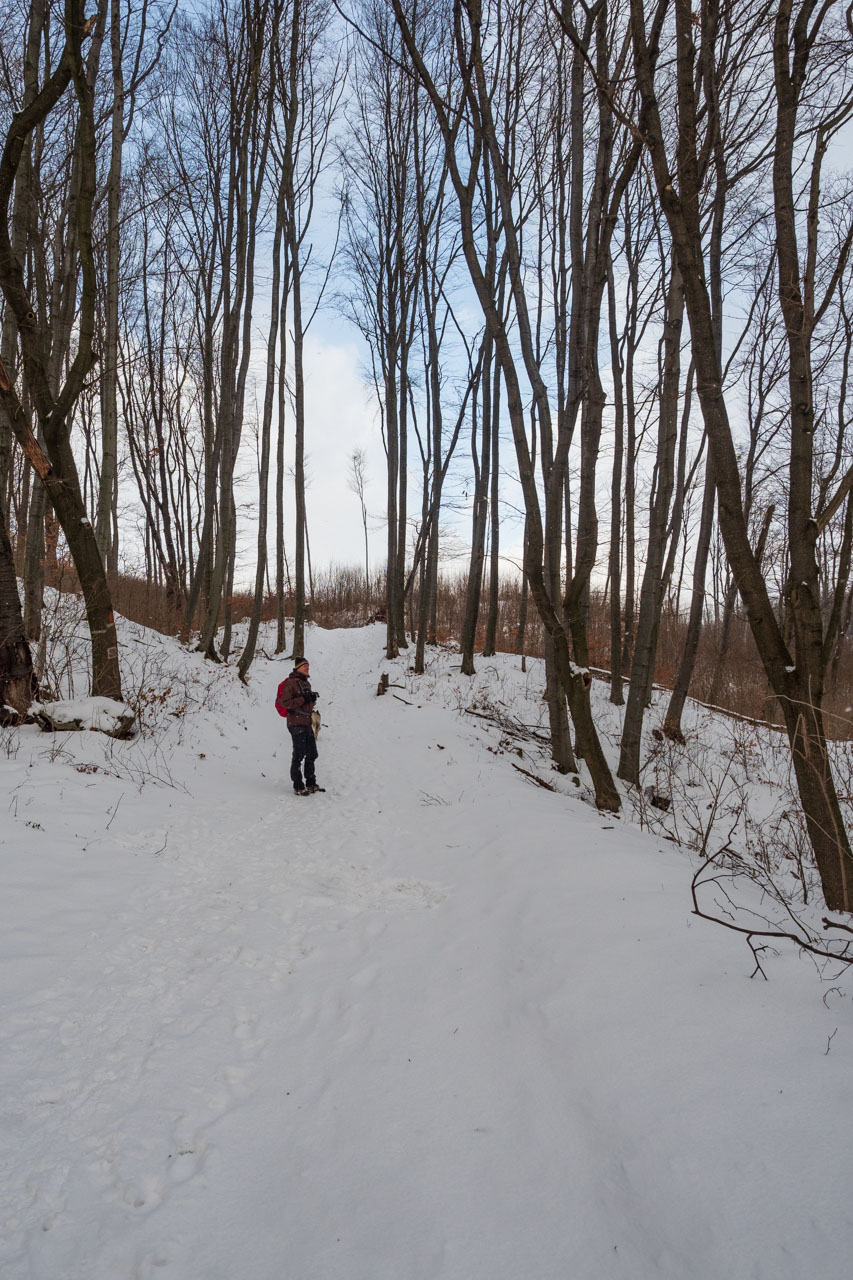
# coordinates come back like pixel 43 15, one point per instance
pixel 438 1022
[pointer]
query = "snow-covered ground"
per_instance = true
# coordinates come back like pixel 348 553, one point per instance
pixel 438 1022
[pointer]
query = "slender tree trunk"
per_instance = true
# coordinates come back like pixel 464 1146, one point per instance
pixel 393 465
pixel 248 654
pixel 523 597
pixel 17 681
pixel 562 755
pixel 299 609
pixel 630 558
pixel 108 488
pixel 480 509
pixel 432 509
pixel 672 723
pixel 280 556
pixel 402 500
pixel 616 693
pixel 34 561
pixel 651 595
pixel 490 646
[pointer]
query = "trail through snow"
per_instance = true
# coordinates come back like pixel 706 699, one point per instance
pixel 433 1023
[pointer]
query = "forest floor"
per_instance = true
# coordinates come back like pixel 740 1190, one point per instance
pixel 436 1022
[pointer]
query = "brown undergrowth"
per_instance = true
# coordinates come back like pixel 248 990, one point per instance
pixel 340 599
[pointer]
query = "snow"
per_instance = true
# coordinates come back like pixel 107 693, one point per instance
pixel 102 714
pixel 437 1022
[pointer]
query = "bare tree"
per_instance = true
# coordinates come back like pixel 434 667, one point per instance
pixel 804 46
pixel 357 484
pixel 473 100
pixel 247 656
pixel 129 39
pixel 244 40
pixel 383 227
pixel 55 465
pixel 310 83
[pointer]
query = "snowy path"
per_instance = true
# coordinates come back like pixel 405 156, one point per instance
pixel 434 1023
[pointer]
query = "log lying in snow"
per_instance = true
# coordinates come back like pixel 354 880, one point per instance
pixel 104 715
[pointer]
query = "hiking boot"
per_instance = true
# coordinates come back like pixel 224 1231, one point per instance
pixel 312 787
pixel 301 791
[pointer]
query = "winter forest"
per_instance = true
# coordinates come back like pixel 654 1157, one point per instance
pixel 593 260
pixel 602 251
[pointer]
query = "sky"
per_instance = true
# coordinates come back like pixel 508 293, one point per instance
pixel 342 414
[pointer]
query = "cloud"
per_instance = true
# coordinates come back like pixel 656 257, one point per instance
pixel 341 415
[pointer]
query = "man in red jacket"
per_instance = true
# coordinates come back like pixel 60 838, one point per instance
pixel 298 698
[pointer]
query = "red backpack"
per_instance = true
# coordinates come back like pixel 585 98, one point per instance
pixel 279 703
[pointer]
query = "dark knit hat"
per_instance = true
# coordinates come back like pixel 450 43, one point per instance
pixel 299 662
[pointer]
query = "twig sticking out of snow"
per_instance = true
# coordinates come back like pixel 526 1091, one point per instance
pixel 540 782
pixel 799 934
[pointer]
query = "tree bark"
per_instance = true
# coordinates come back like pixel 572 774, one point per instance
pixel 675 709
pixel 248 654
pixel 480 512
pixel 108 487
pixel 490 645
pixel 617 696
pixel 17 682
pixel 651 594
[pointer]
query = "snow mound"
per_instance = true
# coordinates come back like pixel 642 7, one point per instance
pixel 104 715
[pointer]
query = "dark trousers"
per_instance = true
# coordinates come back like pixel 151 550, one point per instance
pixel 304 748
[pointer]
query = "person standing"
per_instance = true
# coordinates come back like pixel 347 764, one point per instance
pixel 297 699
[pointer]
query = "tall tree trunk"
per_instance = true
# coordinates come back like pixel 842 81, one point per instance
pixel 651 594
pixel 108 488
pixel 392 584
pixel 248 654
pixel 630 558
pixel 17 682
pixel 281 566
pixel 523 597
pixel 616 693
pixel 479 511
pixel 490 645
pixel 299 609
pixel 250 121
pixel 34 562
pixel 675 709
pixel 402 499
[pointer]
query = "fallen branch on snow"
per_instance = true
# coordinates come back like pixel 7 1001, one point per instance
pixel 540 782
pixel 799 935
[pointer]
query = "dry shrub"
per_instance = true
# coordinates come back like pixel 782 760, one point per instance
pixel 148 603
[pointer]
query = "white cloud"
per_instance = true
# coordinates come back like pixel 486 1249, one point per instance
pixel 341 415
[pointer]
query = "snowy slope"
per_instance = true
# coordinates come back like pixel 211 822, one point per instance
pixel 435 1023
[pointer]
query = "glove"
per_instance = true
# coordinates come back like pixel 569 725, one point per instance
pixel 314 696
